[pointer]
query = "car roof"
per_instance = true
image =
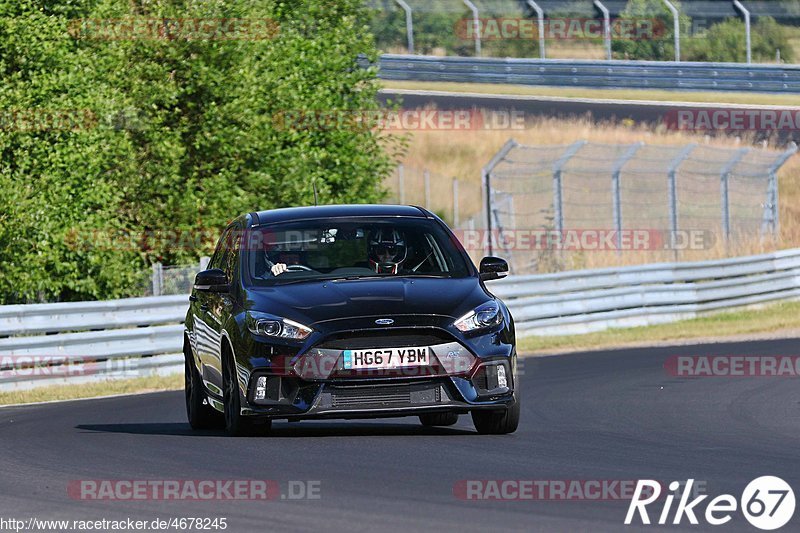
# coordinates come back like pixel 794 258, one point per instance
pixel 333 211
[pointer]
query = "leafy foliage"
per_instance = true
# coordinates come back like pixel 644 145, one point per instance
pixel 175 136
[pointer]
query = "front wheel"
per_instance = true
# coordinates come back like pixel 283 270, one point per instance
pixel 199 412
pixel 497 422
pixel 237 425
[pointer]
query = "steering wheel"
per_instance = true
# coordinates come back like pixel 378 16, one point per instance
pixel 301 268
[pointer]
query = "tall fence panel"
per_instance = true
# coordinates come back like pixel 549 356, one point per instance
pixel 667 190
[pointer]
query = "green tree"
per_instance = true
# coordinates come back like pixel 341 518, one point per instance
pixel 658 45
pixel 182 135
pixel 725 41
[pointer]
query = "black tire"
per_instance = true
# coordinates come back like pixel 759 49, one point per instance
pixel 198 411
pixel 438 419
pixel 497 422
pixel 237 425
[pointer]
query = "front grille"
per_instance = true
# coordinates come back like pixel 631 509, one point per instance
pixel 381 396
pixel 397 338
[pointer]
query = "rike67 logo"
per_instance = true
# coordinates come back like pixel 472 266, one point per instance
pixel 767 503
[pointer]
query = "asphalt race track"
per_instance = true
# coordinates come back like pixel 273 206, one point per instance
pixel 614 415
pixel 611 111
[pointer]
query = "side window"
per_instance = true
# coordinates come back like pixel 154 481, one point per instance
pixel 217 260
pixel 231 258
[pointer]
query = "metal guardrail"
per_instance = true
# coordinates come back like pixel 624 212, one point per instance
pixel 90 341
pixel 583 301
pixel 593 73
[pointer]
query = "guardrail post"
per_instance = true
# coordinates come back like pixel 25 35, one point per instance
pixel 746 14
pixel 540 18
pixel 158 279
pixel 615 190
pixel 676 25
pixel 771 217
pixel 204 262
pixel 409 25
pixel 486 191
pixel 558 203
pixel 476 25
pixel 724 177
pixel 455 202
pixel 606 27
pixel 673 194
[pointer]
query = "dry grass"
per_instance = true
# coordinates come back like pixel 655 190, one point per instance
pixel 91 390
pixel 659 95
pixel 777 320
pixel 461 154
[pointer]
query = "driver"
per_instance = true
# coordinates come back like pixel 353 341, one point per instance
pixel 285 260
pixel 387 251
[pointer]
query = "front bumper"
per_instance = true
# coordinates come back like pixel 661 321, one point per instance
pixel 462 376
pixel 296 398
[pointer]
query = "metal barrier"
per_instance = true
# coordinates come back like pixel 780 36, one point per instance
pixel 90 341
pixel 593 73
pixel 583 301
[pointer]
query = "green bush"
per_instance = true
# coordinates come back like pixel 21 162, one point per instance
pixel 725 41
pixel 661 45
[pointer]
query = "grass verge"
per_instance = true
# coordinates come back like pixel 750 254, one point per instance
pixel 609 94
pixel 91 390
pixel 773 318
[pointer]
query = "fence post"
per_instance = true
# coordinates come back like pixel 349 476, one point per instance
pixel 724 178
pixel 606 27
pixel 673 194
pixel 409 25
pixel 204 262
pixel 426 177
pixel 476 25
pixel 771 208
pixel 558 203
pixel 676 25
pixel 157 279
pixel 746 14
pixel 486 186
pixel 540 18
pixel 615 190
pixel 455 202
pixel 401 183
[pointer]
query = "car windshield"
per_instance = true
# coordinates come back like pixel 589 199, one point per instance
pixel 350 249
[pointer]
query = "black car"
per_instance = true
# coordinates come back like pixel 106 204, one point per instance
pixel 353 311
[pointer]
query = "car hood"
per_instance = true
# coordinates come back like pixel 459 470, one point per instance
pixel 319 301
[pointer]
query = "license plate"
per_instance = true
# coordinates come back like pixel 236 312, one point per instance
pixel 385 358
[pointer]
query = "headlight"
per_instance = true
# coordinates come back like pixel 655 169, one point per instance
pixel 282 328
pixel 484 316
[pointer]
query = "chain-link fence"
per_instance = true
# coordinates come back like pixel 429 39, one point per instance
pixel 174 279
pixel 610 190
pixel 457 202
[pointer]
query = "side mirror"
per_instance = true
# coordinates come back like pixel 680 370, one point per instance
pixel 211 280
pixel 493 268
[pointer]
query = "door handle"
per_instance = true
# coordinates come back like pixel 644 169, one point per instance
pixel 204 307
pixel 192 298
